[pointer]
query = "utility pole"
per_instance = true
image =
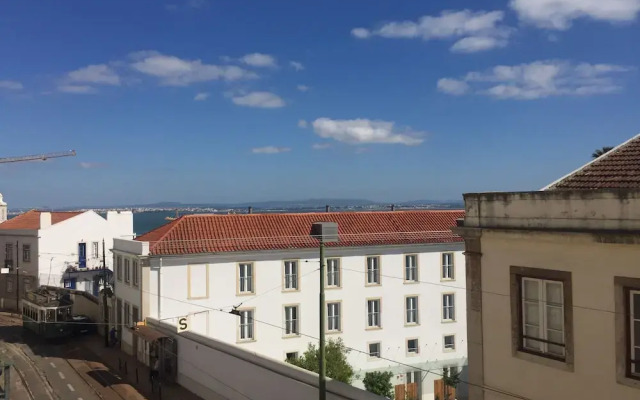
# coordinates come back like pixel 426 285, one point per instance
pixel 105 306
pixel 323 364
pixel 18 277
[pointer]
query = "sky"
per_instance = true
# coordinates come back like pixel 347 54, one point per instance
pixel 205 101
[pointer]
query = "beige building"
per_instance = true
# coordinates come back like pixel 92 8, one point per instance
pixel 554 285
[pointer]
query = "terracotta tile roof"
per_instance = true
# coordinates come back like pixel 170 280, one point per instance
pixel 205 233
pixel 31 219
pixel 617 169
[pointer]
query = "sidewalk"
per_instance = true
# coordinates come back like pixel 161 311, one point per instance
pixel 124 382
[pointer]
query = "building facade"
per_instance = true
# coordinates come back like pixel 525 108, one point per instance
pixel 554 285
pixel 394 287
pixel 62 248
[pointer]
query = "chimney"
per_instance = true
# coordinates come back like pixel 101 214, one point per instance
pixel 393 207
pixel 250 210
pixel 327 208
pixel 45 219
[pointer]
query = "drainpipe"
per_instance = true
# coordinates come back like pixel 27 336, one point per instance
pixel 159 289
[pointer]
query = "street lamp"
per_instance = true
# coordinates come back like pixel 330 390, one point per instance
pixel 324 232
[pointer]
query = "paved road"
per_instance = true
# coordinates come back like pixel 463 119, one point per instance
pixel 41 370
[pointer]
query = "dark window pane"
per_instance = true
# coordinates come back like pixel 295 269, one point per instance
pixel 636 333
pixel 636 305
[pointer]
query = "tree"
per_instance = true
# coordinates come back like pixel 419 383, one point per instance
pixel 379 383
pixel 602 151
pixel 336 360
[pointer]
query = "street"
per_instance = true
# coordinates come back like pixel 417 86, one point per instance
pixel 51 371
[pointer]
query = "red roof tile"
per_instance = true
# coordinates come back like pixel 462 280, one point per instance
pixel 207 233
pixel 617 169
pixel 31 219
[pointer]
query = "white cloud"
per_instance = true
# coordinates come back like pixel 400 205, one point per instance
pixel 201 96
pixel 361 33
pixel 270 150
pixel 477 30
pixel 452 86
pixel 302 123
pixel 11 85
pixel 321 146
pixel 76 89
pixel 303 88
pixel 100 74
pixel 259 60
pixel 559 14
pixel 296 65
pixel 259 99
pixel 90 165
pixel 358 131
pixel 174 71
pixel 538 79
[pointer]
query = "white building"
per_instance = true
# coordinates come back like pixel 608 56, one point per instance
pixel 3 210
pixel 62 248
pixel 395 287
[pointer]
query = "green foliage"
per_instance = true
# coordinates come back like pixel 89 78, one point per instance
pixel 379 383
pixel 336 360
pixel 600 152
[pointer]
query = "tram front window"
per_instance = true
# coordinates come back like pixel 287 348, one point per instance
pixel 51 315
pixel 63 314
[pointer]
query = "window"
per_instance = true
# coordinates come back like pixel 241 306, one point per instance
pixel 542 316
pixel 411 306
pixel 333 272
pixel 26 282
pixel 127 314
pixel 333 317
pixel 412 346
pixel 94 250
pixel 633 333
pixel 291 320
pixel 8 255
pixel 26 253
pixel 119 267
pixel 373 270
pixel 245 278
pixel 134 314
pixel 136 272
pixel 373 313
pixel 292 355
pixel 448 307
pixel 374 350
pixel 9 286
pixel 449 342
pixel 291 275
pixel 127 270
pixel 411 268
pixel 447 266
pixel 246 324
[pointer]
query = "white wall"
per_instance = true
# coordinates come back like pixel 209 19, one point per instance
pixel 269 341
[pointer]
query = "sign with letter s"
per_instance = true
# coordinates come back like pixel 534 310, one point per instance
pixel 184 324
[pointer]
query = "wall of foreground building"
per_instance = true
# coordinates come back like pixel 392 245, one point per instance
pixel 593 371
pixel 212 370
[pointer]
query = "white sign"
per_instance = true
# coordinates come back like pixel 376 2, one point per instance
pixel 184 324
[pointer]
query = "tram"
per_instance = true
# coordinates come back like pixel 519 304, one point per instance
pixel 47 314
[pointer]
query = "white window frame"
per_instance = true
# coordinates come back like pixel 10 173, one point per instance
pixel 293 353
pixel 411 270
pixel 448 307
pixel 374 357
pixel 635 368
pixel 417 348
pixel 26 253
pixel 246 278
pixel 136 272
pixel 448 267
pixel 333 273
pixel 127 270
pixel 452 346
pixel 118 267
pixel 543 306
pixel 372 276
pixel 291 321
pixel 334 316
pixel 411 311
pixel 291 275
pixel 246 325
pixel 374 313
pixel 95 249
pixel 127 314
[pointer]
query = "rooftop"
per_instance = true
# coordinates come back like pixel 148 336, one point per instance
pixel 619 168
pixel 211 233
pixel 31 219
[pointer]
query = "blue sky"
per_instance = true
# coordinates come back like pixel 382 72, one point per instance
pixel 216 101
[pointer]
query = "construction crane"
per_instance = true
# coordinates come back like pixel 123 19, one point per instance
pixel 43 157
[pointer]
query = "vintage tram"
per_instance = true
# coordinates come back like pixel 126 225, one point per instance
pixel 47 313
